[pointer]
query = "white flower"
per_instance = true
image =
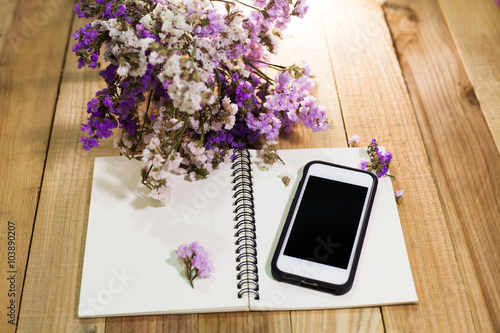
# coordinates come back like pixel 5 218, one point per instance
pixel 172 164
pixel 195 149
pixel 230 110
pixel 187 95
pixel 355 139
pixel 126 140
pixel 192 175
pixel 163 194
pixel 117 142
pixel 155 58
pixel 172 67
pixel 158 161
pixel 123 70
pixel 154 143
pixel 147 21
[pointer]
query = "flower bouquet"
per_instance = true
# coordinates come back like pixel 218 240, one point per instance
pixel 201 69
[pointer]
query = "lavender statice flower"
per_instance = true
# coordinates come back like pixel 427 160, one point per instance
pixel 399 196
pixel 379 162
pixel 196 260
pixel 87 40
pixel 291 102
pixel 354 140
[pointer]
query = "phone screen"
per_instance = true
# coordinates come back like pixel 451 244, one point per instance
pixel 326 222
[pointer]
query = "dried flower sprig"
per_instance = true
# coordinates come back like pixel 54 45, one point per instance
pixel 379 162
pixel 196 261
pixel 399 196
pixel 354 140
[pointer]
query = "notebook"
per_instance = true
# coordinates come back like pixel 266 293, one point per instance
pixel 131 267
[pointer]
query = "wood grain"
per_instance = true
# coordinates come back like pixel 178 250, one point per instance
pixel 245 322
pixel 470 199
pixel 56 256
pixel 29 82
pixel 376 104
pixel 309 31
pixel 345 320
pixel 6 18
pixel 170 323
pixel 475 26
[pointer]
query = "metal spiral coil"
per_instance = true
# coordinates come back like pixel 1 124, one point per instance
pixel 246 244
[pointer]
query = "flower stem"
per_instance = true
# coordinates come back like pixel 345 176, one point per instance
pixel 274 66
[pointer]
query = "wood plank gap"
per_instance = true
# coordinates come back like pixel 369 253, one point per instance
pixel 335 82
pixel 383 320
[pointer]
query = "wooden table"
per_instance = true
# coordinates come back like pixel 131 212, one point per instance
pixel 423 77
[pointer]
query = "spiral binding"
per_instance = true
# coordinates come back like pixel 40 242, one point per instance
pixel 246 244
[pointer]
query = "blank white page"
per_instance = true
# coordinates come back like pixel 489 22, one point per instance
pixel 383 275
pixel 130 266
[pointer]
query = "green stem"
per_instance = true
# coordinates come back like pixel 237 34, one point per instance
pixel 274 66
pixel 260 73
pixel 232 3
pixel 183 130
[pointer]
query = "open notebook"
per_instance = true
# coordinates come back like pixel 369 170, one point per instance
pixel 131 268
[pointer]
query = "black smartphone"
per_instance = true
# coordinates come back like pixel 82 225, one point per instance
pixel 323 234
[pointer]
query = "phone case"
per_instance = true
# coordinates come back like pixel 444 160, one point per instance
pixel 316 284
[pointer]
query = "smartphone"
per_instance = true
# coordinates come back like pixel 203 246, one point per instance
pixel 321 241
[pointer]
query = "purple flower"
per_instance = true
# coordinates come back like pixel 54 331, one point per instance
pixel 184 251
pixel 142 32
pixel 355 139
pixel 221 139
pixel 300 9
pixel 266 124
pixel 382 171
pixel 109 73
pixel 244 91
pixel 88 143
pixel 210 25
pixel 196 260
pixel 379 162
pixel 399 196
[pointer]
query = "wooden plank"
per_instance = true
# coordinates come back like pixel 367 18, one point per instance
pixel 56 255
pixel 346 320
pixel 470 199
pixel 171 323
pixel 59 235
pixel 245 322
pixel 29 81
pixel 309 31
pixel 475 27
pixel 376 104
pixel 6 18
